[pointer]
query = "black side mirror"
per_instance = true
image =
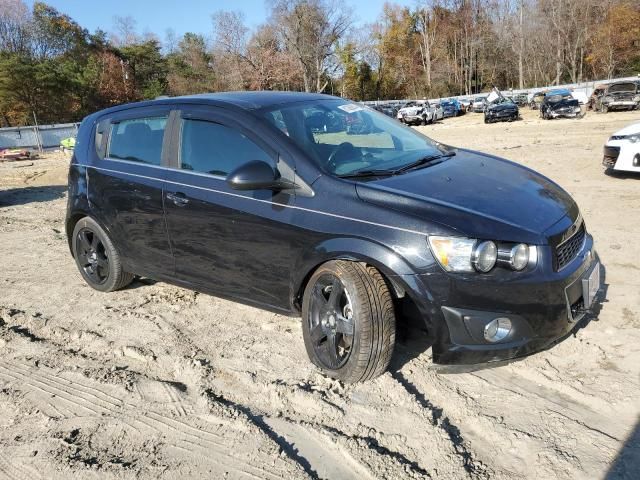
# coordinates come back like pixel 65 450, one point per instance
pixel 257 175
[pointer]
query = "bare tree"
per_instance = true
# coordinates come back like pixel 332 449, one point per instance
pixel 427 26
pixel 124 31
pixel 310 30
pixel 15 21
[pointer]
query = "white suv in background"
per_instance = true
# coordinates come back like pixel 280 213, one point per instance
pixel 417 112
pixel 622 151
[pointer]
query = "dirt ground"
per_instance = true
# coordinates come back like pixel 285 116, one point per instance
pixel 160 382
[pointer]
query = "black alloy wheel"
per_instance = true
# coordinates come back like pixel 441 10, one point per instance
pixel 331 322
pixel 97 257
pixel 92 257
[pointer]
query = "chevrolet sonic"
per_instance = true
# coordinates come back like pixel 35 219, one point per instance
pixel 314 206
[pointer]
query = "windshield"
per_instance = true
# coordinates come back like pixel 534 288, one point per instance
pixel 622 87
pixel 345 138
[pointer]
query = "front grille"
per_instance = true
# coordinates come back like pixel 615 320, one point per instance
pixel 568 250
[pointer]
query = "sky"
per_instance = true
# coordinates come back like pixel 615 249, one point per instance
pixel 157 16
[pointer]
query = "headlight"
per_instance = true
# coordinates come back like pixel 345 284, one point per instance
pixel 519 256
pixel 634 138
pixel 456 254
pixel 453 253
pixel 485 256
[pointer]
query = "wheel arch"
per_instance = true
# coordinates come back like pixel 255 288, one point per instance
pixel 385 260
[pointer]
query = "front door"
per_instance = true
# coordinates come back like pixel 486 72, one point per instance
pixel 233 243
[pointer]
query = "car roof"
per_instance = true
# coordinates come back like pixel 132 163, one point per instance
pixel 253 100
pixel 560 91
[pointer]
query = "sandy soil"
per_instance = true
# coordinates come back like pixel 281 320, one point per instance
pixel 160 382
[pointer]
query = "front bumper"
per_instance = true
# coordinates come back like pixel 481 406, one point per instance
pixel 544 308
pixel 622 155
pixel 622 104
pixel 570 112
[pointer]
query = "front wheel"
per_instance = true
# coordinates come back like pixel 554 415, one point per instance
pixel 348 321
pixel 97 258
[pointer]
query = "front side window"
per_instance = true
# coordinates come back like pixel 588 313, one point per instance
pixel 346 138
pixel 209 147
pixel 138 140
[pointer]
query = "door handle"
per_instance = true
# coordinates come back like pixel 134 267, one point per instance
pixel 179 199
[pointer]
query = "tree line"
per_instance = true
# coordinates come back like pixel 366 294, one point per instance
pixel 53 68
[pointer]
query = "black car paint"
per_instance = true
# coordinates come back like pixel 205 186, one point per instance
pixel 501 112
pixel 566 107
pixel 259 247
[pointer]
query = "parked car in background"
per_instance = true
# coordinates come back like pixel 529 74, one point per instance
pixel 415 113
pixel 521 99
pixel 437 110
pixel 234 195
pixel 536 100
pixel 478 104
pixel 466 103
pixel 451 108
pixel 597 93
pixel 618 96
pixel 622 150
pixel 560 103
pixel 502 109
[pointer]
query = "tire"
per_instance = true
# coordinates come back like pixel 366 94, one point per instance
pixel 366 297
pixel 97 258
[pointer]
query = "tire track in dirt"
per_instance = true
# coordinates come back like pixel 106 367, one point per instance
pixel 99 404
pixel 444 424
pixel 14 471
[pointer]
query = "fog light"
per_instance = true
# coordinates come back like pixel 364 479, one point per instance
pixel 497 329
pixel 636 160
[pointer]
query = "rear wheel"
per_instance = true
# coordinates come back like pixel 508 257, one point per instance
pixel 348 321
pixel 97 258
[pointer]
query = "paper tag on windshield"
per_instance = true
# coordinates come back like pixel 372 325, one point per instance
pixel 350 107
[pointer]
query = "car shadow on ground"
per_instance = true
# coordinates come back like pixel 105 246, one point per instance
pixel 622 175
pixel 626 465
pixel 140 282
pixel 24 195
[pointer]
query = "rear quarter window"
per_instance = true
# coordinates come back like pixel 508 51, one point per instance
pixel 138 140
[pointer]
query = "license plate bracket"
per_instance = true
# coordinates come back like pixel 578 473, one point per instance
pixel 591 286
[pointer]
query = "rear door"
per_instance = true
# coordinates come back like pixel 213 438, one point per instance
pixel 125 187
pixel 234 243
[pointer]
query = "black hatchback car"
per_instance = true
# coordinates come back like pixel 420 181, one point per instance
pixel 241 195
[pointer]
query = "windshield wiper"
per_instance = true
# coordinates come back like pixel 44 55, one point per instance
pixel 368 173
pixel 423 162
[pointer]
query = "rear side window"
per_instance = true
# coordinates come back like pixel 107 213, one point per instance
pixel 138 140
pixel 216 149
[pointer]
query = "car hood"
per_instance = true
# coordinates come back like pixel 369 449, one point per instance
pixel 629 129
pixel 567 102
pixel 476 195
